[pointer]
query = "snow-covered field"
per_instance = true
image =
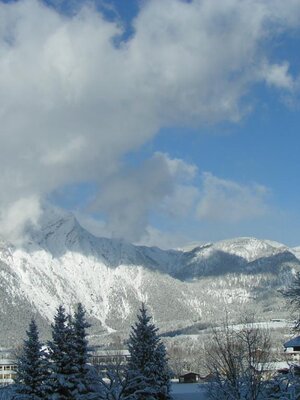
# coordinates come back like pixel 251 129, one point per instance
pixel 189 391
pixel 180 391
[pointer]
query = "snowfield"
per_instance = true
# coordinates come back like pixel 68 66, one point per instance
pixel 180 391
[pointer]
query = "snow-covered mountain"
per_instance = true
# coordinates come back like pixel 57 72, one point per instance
pixel 296 251
pixel 60 262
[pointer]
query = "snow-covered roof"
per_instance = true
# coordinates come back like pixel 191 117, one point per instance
pixel 189 373
pixel 110 352
pixel 7 361
pixel 295 342
pixel 273 366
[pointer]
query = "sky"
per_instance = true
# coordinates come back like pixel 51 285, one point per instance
pixel 159 122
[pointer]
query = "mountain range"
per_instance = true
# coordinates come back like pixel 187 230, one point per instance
pixel 59 262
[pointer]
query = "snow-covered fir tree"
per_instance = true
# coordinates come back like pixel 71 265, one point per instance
pixel 164 372
pixel 83 375
pixel 62 356
pixel 32 368
pixel 80 339
pixel 71 376
pixel 148 373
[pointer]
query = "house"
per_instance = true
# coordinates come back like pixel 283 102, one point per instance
pixel 8 369
pixel 189 377
pixel 276 367
pixel 104 360
pixel 292 348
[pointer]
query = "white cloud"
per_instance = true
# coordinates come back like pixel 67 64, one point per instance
pixel 181 203
pixel 225 200
pixel 93 225
pixel 18 216
pixel 153 188
pixel 277 75
pixel 130 197
pixel 179 168
pixel 72 104
pixel 163 240
pixel 152 236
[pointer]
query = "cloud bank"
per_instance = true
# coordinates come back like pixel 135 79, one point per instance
pixel 74 101
pixel 228 201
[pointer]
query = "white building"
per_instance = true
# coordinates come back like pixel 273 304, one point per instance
pixel 8 369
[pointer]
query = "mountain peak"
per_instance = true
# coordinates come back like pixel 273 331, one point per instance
pixel 54 229
pixel 65 264
pixel 250 248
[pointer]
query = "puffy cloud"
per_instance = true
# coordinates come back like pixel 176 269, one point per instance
pixel 130 197
pixel 163 240
pixel 73 103
pixel 93 225
pixel 225 200
pixel 181 203
pixel 179 168
pixel 18 216
pixel 278 75
pixel 163 187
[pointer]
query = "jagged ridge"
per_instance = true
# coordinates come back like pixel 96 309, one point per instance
pixel 63 263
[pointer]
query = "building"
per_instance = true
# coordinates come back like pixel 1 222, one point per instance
pixel 8 369
pixel 189 377
pixel 292 348
pixel 105 360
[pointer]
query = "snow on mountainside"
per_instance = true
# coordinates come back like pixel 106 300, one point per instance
pixel 63 263
pixel 250 248
pixel 296 251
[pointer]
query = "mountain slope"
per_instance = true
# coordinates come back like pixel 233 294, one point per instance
pixel 62 263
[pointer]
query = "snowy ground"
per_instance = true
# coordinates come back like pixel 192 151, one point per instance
pixel 189 391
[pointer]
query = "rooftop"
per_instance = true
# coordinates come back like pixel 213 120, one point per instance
pixel 295 342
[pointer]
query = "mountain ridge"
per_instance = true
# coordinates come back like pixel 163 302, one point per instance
pixel 62 263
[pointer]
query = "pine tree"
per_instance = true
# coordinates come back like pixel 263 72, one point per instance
pixel 62 356
pixel 80 348
pixel 33 369
pixel 148 373
pixel 163 372
pixel 81 344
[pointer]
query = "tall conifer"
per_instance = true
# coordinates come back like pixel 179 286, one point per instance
pixel 32 368
pixel 61 351
pixel 147 372
pixel 83 376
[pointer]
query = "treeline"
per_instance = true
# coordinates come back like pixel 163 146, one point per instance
pixel 61 370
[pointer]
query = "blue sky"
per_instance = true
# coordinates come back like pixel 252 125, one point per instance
pixel 163 123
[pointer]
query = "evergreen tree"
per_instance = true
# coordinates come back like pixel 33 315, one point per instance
pixel 148 373
pixel 81 344
pixel 83 374
pixel 62 355
pixel 32 371
pixel 163 372
pixel 72 377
